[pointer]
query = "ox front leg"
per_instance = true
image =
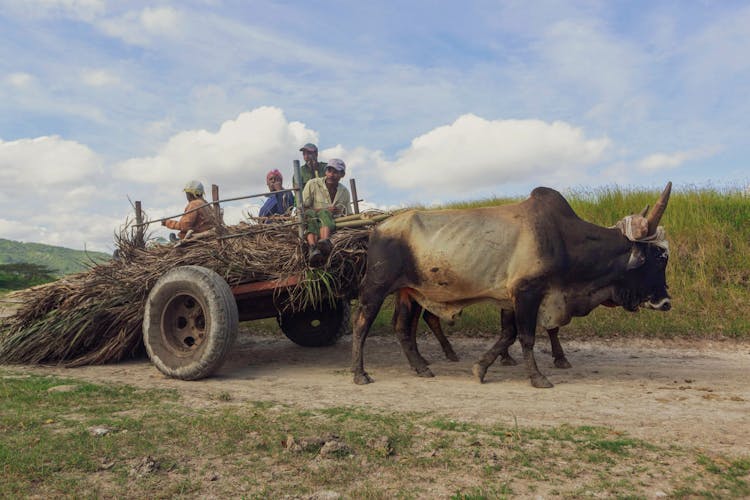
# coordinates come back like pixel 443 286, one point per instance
pixel 408 315
pixel 500 348
pixel 526 310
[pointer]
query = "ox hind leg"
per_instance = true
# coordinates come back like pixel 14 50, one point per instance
pixel 434 323
pixel 558 354
pixel 412 324
pixel 557 351
pixel 406 319
pixel 507 337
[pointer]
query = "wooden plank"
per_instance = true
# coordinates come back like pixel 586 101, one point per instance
pixel 263 286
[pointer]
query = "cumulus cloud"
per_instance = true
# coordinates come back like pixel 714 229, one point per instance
pixel 473 153
pixel 142 27
pixel 45 162
pixel 53 193
pixel 239 153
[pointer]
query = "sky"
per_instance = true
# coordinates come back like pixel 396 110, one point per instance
pixel 105 102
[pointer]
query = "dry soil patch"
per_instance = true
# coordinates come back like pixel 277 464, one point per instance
pixel 687 393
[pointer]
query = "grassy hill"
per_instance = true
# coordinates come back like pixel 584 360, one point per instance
pixel 60 260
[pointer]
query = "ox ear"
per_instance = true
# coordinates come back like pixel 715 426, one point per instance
pixel 636 258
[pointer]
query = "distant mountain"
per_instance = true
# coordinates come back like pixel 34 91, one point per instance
pixel 61 260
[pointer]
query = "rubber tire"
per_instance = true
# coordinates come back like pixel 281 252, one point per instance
pixel 202 302
pixel 316 328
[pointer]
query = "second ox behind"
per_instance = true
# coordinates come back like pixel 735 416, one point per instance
pixel 537 259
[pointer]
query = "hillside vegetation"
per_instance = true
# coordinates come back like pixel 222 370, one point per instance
pixel 708 273
pixel 59 260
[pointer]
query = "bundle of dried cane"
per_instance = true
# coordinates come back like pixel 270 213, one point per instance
pixel 95 317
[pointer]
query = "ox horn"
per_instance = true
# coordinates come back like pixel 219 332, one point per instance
pixel 655 216
pixel 644 211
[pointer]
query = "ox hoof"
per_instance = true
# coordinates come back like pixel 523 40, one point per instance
pixel 362 379
pixel 508 361
pixel 562 363
pixel 541 382
pixel 451 356
pixel 479 371
pixel 425 372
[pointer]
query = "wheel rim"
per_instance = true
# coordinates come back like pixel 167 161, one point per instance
pixel 184 324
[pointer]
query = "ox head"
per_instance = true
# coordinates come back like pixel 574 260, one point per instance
pixel 644 283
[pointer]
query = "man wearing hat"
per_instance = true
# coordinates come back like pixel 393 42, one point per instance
pixel 324 198
pixel 312 168
pixel 276 203
pixel 198 216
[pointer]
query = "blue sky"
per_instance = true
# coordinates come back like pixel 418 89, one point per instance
pixel 103 102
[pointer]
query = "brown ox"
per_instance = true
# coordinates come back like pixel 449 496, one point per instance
pixel 537 259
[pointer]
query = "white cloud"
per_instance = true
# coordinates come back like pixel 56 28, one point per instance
pixel 99 78
pixel 48 161
pixel 20 79
pixel 661 161
pixel 237 156
pixel 667 161
pixel 474 153
pixel 162 20
pixel 141 28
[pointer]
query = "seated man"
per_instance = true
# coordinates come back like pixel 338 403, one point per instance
pixel 196 220
pixel 323 198
pixel 278 203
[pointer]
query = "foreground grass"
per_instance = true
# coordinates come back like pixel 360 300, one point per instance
pixel 156 445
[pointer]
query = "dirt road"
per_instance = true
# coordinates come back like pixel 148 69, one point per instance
pixel 693 394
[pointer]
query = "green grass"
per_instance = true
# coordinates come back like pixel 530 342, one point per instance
pixel 226 448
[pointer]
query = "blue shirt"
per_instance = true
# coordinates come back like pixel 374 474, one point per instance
pixel 277 204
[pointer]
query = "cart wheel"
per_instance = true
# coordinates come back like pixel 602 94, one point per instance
pixel 316 328
pixel 190 322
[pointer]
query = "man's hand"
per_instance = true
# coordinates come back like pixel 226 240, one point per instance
pixel 164 223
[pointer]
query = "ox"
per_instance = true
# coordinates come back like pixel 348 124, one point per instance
pixel 537 259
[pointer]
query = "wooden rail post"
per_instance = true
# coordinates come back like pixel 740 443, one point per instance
pixel 216 208
pixel 139 238
pixel 355 200
pixel 300 206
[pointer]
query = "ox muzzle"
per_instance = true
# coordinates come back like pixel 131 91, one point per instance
pixel 664 304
